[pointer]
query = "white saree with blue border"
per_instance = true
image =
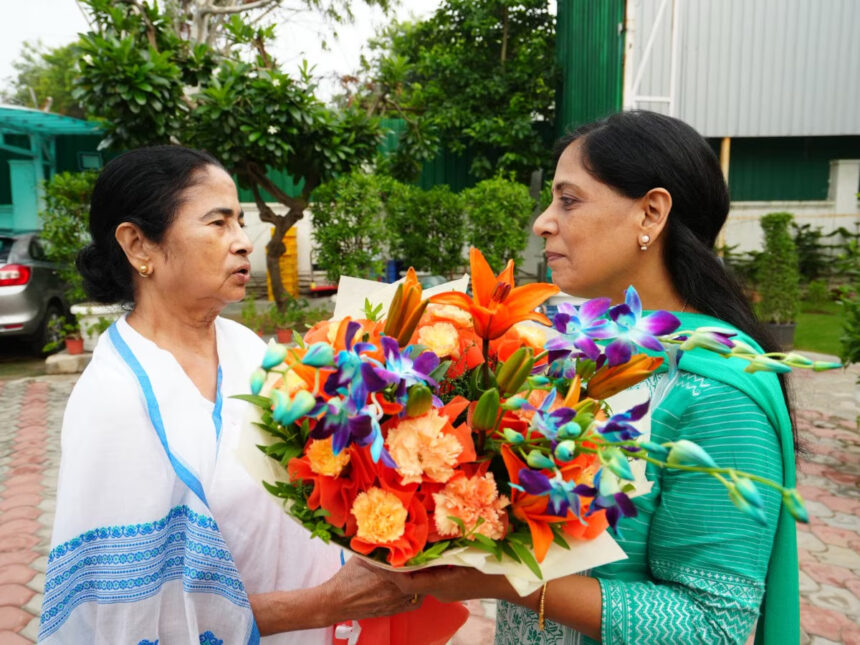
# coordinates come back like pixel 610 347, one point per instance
pixel 160 534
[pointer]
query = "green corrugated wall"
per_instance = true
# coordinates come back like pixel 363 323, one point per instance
pixel 590 51
pixel 784 168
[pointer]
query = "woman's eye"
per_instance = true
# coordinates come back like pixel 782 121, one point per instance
pixel 567 201
pixel 218 222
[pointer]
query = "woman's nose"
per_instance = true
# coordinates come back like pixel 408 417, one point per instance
pixel 543 225
pixel 243 245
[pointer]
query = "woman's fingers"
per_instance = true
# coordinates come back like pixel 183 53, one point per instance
pixel 361 590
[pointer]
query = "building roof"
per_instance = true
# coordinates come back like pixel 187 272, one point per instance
pixel 27 121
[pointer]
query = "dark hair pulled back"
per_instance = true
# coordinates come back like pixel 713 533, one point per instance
pixel 638 150
pixel 143 187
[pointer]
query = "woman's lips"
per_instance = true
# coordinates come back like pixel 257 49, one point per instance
pixel 242 274
pixel 551 257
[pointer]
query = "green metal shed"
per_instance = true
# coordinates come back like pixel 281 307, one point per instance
pixel 35 145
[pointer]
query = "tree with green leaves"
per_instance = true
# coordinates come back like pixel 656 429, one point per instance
pixel 426 227
pixel 200 74
pixel 478 76
pixel 349 229
pixel 498 212
pixel 44 79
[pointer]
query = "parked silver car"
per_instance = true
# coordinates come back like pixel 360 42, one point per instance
pixel 31 291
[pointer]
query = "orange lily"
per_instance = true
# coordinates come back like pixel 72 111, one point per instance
pixel 405 310
pixel 611 380
pixel 496 304
pixel 530 508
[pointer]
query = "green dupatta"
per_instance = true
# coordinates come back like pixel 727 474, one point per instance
pixel 779 622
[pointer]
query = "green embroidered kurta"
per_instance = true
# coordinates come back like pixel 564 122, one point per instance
pixel 696 566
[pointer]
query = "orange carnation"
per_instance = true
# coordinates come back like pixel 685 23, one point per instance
pixel 470 499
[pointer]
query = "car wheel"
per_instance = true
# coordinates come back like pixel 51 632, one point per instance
pixel 45 334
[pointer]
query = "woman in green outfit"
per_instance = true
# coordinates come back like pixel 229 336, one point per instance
pixel 639 198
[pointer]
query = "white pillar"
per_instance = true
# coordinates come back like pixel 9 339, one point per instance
pixel 844 181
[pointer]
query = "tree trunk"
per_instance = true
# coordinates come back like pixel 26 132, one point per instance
pixel 275 247
pixel 504 54
pixel 274 250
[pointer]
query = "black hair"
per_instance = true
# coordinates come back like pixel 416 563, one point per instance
pixel 144 187
pixel 638 150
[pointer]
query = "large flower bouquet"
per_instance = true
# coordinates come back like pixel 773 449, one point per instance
pixel 456 430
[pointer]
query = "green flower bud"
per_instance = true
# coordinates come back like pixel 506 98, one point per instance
pixel 687 453
pixel 419 401
pixel 565 450
pixel 513 436
pixel 486 411
pixel 536 459
pixel 794 503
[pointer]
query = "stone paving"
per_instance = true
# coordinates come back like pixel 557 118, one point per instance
pixel 829 477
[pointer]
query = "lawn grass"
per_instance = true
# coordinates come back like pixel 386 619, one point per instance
pixel 819 328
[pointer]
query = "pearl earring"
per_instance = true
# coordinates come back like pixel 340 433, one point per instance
pixel 643 242
pixel 144 271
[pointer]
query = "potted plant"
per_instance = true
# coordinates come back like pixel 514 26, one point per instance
pixel 282 322
pixel 779 278
pixel 61 330
pixel 251 318
pixel 291 319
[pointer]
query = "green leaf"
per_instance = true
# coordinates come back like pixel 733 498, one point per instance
pixel 527 558
pixel 256 399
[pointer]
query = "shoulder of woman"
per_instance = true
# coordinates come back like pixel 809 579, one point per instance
pixel 105 405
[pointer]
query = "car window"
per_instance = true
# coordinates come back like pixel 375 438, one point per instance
pixel 36 250
pixel 5 246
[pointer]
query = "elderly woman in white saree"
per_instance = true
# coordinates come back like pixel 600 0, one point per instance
pixel 160 535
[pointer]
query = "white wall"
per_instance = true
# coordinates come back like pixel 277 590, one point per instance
pixel 743 227
pixel 261 232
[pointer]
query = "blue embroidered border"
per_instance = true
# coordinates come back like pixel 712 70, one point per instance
pixel 129 563
pixel 206 638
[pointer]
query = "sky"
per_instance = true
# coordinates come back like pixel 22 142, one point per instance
pixel 57 22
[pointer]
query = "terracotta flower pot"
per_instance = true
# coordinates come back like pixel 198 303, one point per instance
pixel 284 335
pixel 75 345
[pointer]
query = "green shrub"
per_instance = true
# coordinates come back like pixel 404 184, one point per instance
pixel 65 225
pixel 347 215
pixel 778 276
pixel 426 227
pixel 498 212
pixel 817 294
pixel 850 339
pixel 812 257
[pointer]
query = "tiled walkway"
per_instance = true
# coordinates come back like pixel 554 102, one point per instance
pixel 31 412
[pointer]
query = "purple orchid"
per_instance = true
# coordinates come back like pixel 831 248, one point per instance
pixel 579 326
pixel 546 422
pixel 562 494
pixel 608 496
pixel 619 427
pixel 632 328
pixel 401 369
pixel 349 365
pixel 349 420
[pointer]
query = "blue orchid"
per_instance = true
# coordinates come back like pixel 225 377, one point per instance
pixel 632 328
pixel 349 420
pixel 619 427
pixel 579 326
pixel 608 496
pixel 401 369
pixel 546 422
pixel 562 494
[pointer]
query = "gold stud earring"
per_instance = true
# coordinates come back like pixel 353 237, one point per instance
pixel 144 271
pixel 643 242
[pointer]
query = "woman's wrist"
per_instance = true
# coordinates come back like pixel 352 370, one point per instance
pixel 286 611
